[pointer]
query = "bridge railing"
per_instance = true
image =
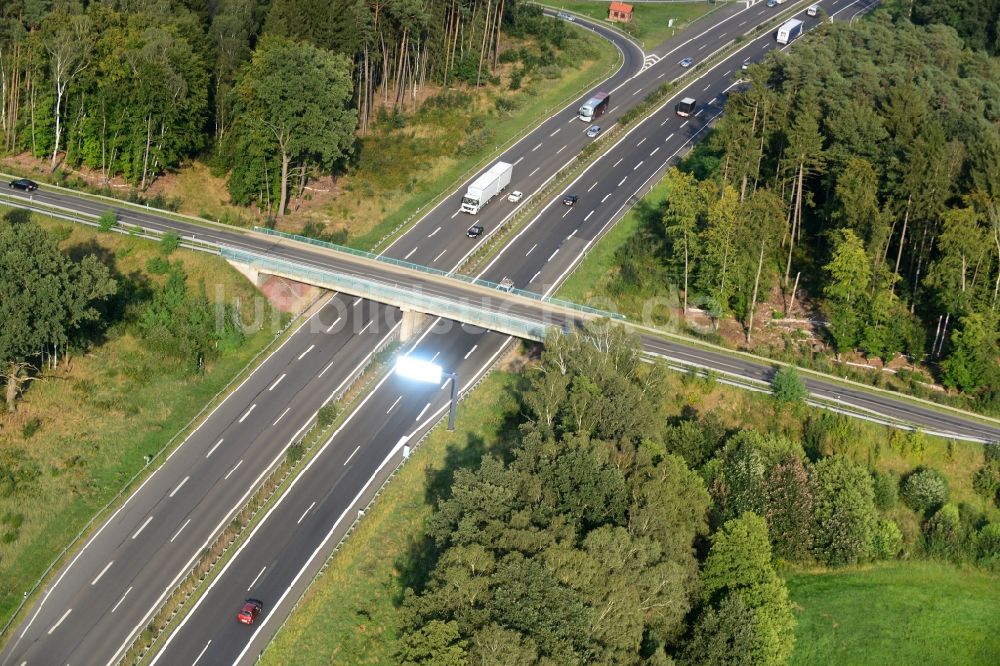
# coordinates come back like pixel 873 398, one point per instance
pixel 436 271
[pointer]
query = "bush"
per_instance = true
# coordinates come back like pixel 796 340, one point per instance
pixel 986 481
pixel 887 540
pixel 944 535
pixel 988 541
pixel 108 220
pixel 925 490
pixel 327 414
pixel 157 266
pixel 31 427
pixel 788 387
pixel 886 485
pixel 170 241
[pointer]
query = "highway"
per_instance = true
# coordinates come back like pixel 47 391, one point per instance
pixel 116 582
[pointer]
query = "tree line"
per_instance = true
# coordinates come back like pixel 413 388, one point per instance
pixel 612 533
pixel 278 87
pixel 863 166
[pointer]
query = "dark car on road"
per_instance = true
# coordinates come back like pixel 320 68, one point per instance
pixel 570 199
pixel 475 231
pixel 251 609
pixel 24 184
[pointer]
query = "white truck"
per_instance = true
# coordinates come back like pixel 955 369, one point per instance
pixel 789 30
pixel 487 186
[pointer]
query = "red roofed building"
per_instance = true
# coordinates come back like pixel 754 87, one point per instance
pixel 620 11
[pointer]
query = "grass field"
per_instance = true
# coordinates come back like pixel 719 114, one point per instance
pixel 86 426
pixel 900 613
pixel 649 20
pixel 350 615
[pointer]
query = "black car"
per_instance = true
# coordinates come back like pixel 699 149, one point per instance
pixel 569 199
pixel 24 184
pixel 475 231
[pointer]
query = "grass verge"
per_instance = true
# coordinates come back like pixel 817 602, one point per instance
pixel 649 20
pixel 350 614
pixel 900 613
pixel 91 424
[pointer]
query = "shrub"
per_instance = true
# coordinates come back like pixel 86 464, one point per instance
pixel 327 414
pixel 988 541
pixel 944 535
pixel 986 481
pixel 788 387
pixel 108 220
pixel 887 540
pixel 295 453
pixel 157 265
pixel 886 486
pixel 925 490
pixel 171 241
pixel 844 514
pixel 31 427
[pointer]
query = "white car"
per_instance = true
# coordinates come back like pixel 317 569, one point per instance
pixel 686 62
pixel 515 196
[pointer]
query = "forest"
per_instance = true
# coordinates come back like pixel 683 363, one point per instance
pixel 273 92
pixel 863 169
pixel 611 532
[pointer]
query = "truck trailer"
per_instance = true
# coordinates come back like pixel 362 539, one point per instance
pixel 685 107
pixel 594 107
pixel 486 187
pixel 789 30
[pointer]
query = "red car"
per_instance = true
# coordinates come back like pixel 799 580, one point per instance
pixel 251 609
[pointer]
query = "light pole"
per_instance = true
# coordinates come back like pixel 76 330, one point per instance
pixel 431 373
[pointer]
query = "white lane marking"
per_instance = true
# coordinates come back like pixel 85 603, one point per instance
pixel 200 654
pixel 121 600
pixel 352 455
pixel 684 124
pixel 311 347
pixel 436 354
pixel 643 140
pixel 661 75
pixel 588 216
pixel 654 151
pixel 302 517
pixel 568 211
pixel 572 233
pixel 707 87
pixel 356 301
pixel 728 72
pixel 254 582
pixel 252 407
pixel 214 447
pixel 592 187
pixel 617 163
pixel 741 24
pixel 469 353
pixel 561 149
pixel 536 147
pixel 431 234
pixel 179 486
pixel 103 571
pixel 276 382
pixel 531 250
pixel 330 328
pixel 518 160
pixel 287 409
pixel 232 470
pixel 712 101
pixel 698 112
pixel 605 197
pixel 56 625
pixel 409 254
pixel 665 121
pixel 669 137
pixel 637 92
pixel 553 254
pixel 455 214
pixel 328 365
pixel 394 404
pixel 556 132
pixel 534 172
pixel 621 181
pixel 638 165
pixel 702 47
pixel 422 411
pixel 178 532
pixel 366 327
pixel 142 527
pixel 613 109
pixel 534 277
pixel 440 255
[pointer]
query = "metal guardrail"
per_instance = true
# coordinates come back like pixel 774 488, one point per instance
pixel 438 272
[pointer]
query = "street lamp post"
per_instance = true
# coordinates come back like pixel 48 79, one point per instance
pixel 431 373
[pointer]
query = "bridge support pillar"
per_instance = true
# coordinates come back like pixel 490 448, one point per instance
pixel 413 323
pixel 248 271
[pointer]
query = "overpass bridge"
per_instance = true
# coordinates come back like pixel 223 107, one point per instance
pixel 418 291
